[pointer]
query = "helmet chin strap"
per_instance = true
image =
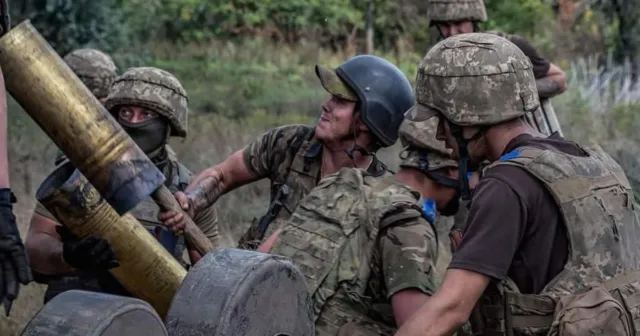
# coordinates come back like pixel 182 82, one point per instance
pixel 464 160
pixel 355 148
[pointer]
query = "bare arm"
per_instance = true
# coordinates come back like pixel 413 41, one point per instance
pixel 550 79
pixel 44 247
pixel 406 303
pixel 554 83
pixel 450 307
pixel 205 189
pixel 210 184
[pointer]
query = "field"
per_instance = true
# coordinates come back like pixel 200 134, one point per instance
pixel 239 91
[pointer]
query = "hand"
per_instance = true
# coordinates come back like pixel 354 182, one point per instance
pixel 89 253
pixel 175 220
pixel 14 265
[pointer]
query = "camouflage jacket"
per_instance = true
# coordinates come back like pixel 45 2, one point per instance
pixel 595 200
pixel 359 240
pixel 287 155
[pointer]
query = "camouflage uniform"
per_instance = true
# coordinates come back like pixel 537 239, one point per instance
pixel 592 193
pixel 159 91
pixel 288 155
pixel 359 239
pixel 424 152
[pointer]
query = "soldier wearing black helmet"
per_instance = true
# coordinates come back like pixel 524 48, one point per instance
pixel 453 17
pixel 368 98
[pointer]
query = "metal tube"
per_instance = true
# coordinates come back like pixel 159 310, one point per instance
pixel 55 98
pixel 146 270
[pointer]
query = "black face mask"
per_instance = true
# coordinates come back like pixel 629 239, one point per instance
pixel 149 135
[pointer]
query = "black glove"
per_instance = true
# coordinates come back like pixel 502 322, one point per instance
pixel 91 253
pixel 14 265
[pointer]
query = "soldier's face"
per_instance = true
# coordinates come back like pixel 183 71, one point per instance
pixel 336 120
pixel 448 29
pixel 136 114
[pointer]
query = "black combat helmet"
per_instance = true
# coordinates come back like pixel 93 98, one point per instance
pixel 383 93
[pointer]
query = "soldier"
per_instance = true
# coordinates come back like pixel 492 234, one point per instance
pixel 368 98
pixel 367 245
pixel 14 266
pixel 452 17
pixel 96 70
pixel 151 105
pixel 551 226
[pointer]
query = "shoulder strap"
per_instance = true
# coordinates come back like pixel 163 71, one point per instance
pixel 184 176
pixel 521 156
pixel 295 147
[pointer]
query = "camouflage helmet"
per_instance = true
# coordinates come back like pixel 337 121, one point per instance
pixel 94 68
pixel 456 10
pixel 475 79
pixel 421 148
pixel 155 89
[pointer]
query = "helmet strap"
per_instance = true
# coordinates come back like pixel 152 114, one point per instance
pixel 463 163
pixel 356 148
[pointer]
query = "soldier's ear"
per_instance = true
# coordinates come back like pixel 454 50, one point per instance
pixel 358 122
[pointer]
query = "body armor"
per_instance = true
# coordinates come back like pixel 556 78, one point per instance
pixel 331 238
pixel 596 203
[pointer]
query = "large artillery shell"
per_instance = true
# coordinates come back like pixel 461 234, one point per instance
pixel 57 100
pixel 147 270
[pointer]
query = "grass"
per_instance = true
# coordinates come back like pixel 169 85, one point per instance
pixel 239 91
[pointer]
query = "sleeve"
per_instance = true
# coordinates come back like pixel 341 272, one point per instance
pixel 264 156
pixel 495 228
pixel 207 221
pixel 540 64
pixel 409 251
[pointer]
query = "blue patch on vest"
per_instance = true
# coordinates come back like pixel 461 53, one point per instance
pixel 165 237
pixel 511 155
pixel 429 210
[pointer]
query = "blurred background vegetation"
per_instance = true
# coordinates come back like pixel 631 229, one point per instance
pixel 248 66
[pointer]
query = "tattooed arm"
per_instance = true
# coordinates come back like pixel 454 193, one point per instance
pixel 207 187
pixel 216 181
pixel 260 159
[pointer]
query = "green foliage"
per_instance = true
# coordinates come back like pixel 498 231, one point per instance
pixel 526 17
pixel 71 24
